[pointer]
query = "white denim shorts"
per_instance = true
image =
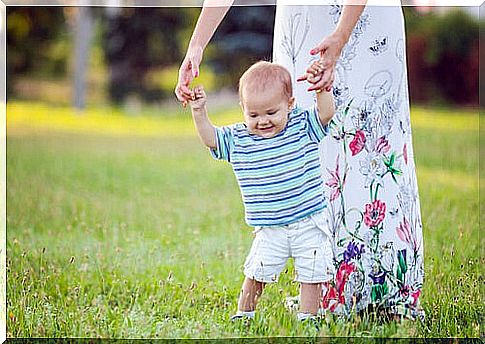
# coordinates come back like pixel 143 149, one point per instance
pixel 308 241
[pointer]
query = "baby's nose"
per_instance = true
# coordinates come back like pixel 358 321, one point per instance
pixel 263 120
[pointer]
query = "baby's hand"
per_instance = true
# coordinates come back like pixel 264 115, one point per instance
pixel 199 99
pixel 315 72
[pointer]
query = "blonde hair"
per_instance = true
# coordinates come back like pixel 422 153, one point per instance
pixel 263 75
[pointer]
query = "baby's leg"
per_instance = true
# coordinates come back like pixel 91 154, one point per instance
pixel 310 297
pixel 250 294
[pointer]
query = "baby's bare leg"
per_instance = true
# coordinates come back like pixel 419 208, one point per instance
pixel 310 297
pixel 250 293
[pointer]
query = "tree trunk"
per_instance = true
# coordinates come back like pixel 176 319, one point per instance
pixel 82 37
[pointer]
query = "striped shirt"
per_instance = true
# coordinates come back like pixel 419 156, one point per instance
pixel 279 177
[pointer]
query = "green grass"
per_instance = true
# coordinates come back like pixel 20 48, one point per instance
pixel 126 228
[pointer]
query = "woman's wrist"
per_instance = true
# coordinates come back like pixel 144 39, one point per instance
pixel 195 48
pixel 341 37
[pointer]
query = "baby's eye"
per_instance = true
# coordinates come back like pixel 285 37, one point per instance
pixel 253 115
pixel 271 113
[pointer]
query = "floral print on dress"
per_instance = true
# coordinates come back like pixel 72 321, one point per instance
pixel 367 158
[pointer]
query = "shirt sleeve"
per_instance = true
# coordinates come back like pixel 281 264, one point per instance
pixel 316 130
pixel 224 143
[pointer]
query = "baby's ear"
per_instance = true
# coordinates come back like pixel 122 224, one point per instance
pixel 291 103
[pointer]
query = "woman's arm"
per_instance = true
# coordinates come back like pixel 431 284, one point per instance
pixel 210 18
pixel 349 17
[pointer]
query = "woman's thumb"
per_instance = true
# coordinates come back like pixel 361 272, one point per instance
pixel 320 48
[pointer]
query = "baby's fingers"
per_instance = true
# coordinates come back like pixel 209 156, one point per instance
pixel 313 79
pixel 302 78
pixel 199 92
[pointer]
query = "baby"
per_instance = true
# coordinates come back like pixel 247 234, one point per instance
pixel 274 155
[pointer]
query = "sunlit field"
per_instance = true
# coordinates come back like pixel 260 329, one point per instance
pixel 124 227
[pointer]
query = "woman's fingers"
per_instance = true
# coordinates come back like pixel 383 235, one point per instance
pixel 320 47
pixel 313 73
pixel 194 67
pixel 185 77
pixel 189 70
pixel 183 93
pixel 316 50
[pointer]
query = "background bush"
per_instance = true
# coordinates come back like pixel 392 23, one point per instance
pixel 136 52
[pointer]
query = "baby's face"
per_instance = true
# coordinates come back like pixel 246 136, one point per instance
pixel 266 113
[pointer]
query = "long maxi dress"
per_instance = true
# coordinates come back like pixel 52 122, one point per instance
pixel 367 159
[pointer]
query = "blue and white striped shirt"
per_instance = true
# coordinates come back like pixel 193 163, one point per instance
pixel 279 177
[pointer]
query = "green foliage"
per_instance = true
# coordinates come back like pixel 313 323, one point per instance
pixel 37 42
pixel 123 234
pixel 166 78
pixel 443 56
pixel 136 50
pixel 244 37
pixel 402 266
pixel 137 40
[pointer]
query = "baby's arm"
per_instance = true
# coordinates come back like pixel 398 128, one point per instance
pixel 204 126
pixel 325 103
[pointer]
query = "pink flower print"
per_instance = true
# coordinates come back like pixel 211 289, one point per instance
pixel 336 295
pixel 410 295
pixel 374 213
pixel 382 145
pixel 358 142
pixel 341 278
pixel 404 291
pixel 334 182
pixel 415 295
pixel 330 299
pixel 405 153
pixel 405 234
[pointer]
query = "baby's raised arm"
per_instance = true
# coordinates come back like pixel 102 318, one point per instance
pixel 203 125
pixel 325 103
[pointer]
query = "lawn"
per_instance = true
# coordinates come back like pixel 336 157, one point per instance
pixel 124 227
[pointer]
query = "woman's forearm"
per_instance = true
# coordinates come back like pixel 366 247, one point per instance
pixel 210 17
pixel 348 19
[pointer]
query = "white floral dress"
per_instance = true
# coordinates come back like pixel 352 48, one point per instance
pixel 367 159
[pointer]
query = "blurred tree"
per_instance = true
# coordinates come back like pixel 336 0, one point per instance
pixel 443 57
pixel 139 39
pixel 33 44
pixel 244 37
pixel 143 47
pixel 82 38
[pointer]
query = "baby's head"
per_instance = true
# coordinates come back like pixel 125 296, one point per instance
pixel 266 97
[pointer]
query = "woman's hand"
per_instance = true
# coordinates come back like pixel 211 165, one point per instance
pixel 329 48
pixel 189 69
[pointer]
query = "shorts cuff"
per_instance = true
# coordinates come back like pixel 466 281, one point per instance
pixel 314 280
pixel 262 279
